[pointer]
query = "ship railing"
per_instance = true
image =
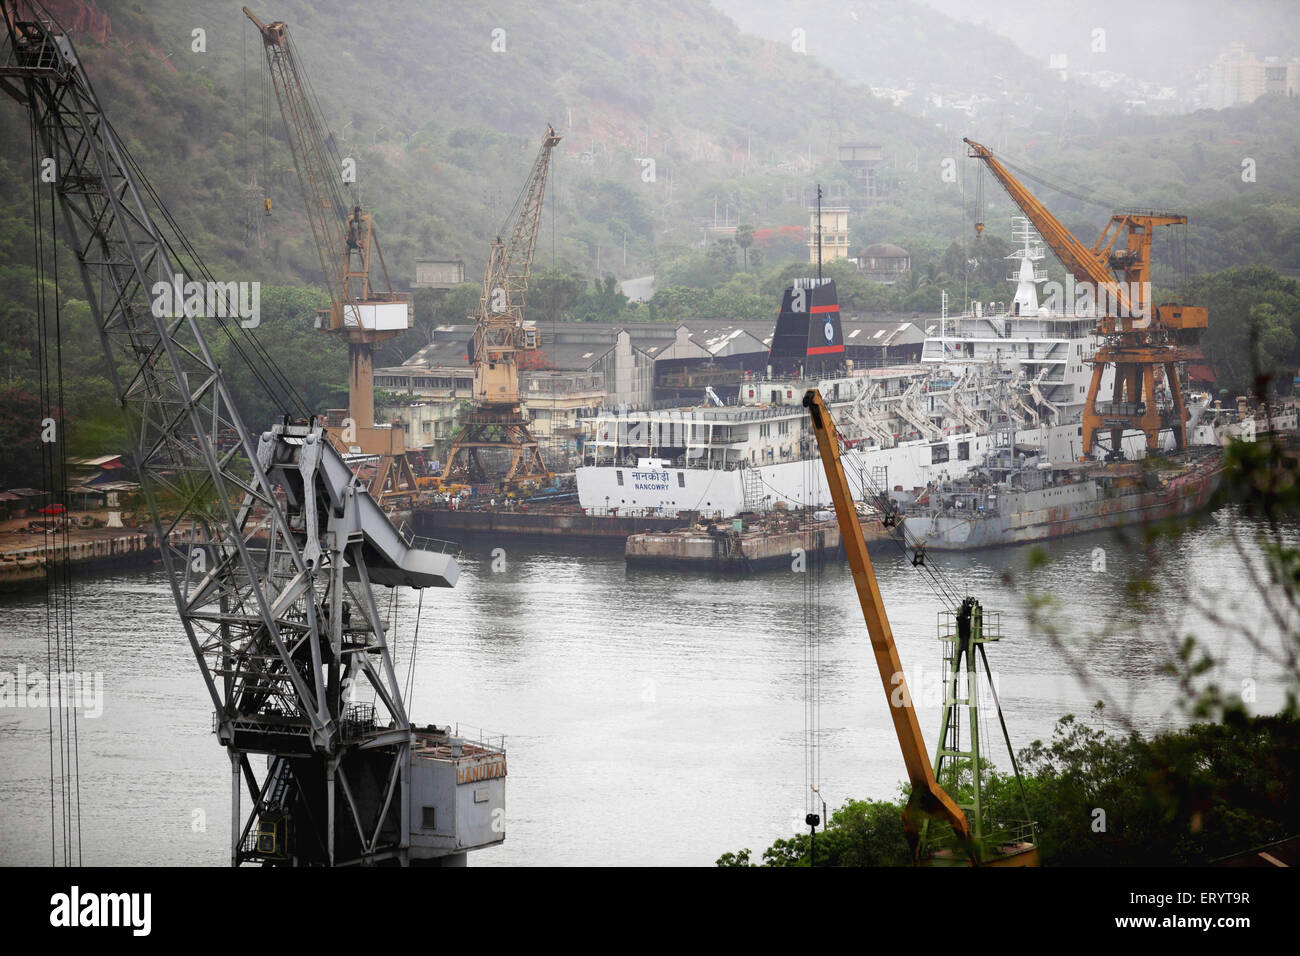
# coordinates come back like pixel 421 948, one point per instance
pixel 681 462
pixel 477 735
pixel 423 543
pixel 730 413
pixel 618 511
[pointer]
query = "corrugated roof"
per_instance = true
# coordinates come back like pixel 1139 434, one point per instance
pixel 577 346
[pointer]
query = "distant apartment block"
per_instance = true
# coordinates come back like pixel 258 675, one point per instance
pixel 1239 76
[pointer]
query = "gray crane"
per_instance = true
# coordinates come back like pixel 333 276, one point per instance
pixel 272 546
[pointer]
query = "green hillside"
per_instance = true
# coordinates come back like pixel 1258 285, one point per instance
pixel 444 128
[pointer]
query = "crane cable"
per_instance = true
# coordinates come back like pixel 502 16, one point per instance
pixel 948 592
pixel 263 368
pixel 343 194
pixel 812 583
pixel 1025 169
pixel 409 693
pixel 945 591
pixel 60 646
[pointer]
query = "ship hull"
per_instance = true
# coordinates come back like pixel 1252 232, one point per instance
pixel 1184 495
pixel 720 493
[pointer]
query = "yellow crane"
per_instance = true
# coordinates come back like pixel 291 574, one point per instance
pixel 364 310
pixel 496 422
pixel 1138 336
pixel 929 801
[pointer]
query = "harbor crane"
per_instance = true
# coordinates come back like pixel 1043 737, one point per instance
pixel 1137 336
pixel 364 310
pixel 272 548
pixel 495 422
pixel 974 838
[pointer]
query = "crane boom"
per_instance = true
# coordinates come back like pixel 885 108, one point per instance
pixel 928 798
pixel 499 331
pixel 270 545
pixel 1081 261
pixel 496 422
pixel 1139 337
pixel 362 311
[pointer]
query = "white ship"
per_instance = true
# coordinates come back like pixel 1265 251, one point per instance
pixel 907 426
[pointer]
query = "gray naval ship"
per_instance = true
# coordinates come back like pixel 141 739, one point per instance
pixel 1018 496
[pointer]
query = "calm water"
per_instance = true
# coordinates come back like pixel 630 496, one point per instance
pixel 651 718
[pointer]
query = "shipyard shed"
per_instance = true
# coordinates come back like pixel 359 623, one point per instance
pixel 578 367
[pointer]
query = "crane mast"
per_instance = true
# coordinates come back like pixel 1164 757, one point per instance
pixel 928 798
pixel 929 801
pixel 362 311
pixel 271 547
pixel 496 422
pixel 1137 336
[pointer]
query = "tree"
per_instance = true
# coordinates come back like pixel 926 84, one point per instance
pixel 722 260
pixel 1183 797
pixel 552 293
pixel 21 417
pixel 602 302
pixel 745 239
pixel 314 362
pixel 1254 326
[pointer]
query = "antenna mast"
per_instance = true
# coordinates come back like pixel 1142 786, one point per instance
pixel 819 233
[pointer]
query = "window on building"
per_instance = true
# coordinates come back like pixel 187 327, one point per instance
pixel 618 474
pixel 429 818
pixel 938 453
pixel 681 479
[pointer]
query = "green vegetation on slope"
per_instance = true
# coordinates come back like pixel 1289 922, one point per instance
pixel 1180 798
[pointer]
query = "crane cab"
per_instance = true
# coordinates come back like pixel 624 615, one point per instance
pixel 458 793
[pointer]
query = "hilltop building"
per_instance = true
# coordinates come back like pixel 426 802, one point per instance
pixel 884 262
pixel 834 233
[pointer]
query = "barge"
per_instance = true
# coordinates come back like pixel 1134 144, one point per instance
pixel 747 545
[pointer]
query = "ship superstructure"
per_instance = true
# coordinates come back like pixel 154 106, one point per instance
pixel 907 426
